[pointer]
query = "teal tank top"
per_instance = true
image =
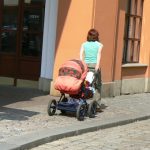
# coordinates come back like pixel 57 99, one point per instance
pixel 90 51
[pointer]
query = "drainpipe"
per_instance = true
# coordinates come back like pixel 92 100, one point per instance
pixel 115 90
pixel 93 14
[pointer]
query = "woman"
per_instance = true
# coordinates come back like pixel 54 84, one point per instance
pixel 90 53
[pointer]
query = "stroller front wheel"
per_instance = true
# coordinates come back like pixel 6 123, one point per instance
pixel 51 109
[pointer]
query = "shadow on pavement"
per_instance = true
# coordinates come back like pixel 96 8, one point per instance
pixel 103 106
pixel 15 114
pixel 10 94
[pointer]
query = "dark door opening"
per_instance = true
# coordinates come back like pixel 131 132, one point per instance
pixel 21 30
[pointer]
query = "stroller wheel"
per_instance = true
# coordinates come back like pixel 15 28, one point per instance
pixel 51 109
pixel 81 111
pixel 92 109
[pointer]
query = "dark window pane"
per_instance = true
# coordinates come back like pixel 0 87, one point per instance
pixel 9 26
pixel 31 45
pixel 33 27
pixel 8 42
pixel 33 20
pixel 10 14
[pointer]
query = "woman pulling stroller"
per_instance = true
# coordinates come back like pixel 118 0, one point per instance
pixel 74 79
pixel 90 53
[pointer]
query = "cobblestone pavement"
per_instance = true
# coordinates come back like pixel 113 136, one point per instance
pixel 134 136
pixel 24 111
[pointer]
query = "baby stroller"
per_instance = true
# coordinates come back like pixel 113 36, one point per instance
pixel 72 81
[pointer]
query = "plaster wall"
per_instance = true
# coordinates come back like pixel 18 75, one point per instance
pixel 141 71
pixel 145 37
pixel 72 27
pixel 105 21
pixel 75 18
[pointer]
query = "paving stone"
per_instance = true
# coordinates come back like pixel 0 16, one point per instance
pixel 24 111
pixel 125 139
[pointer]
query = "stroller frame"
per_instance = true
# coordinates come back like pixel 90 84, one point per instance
pixel 76 103
pixel 81 107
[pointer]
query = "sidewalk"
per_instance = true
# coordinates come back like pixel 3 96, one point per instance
pixel 24 122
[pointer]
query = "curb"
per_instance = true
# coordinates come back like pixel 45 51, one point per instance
pixel 44 136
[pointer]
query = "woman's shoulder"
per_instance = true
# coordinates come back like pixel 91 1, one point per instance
pixel 99 44
pixel 85 42
pixel 92 42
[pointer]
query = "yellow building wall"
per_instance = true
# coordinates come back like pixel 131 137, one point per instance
pixel 106 22
pixel 120 26
pixel 75 18
pixel 145 37
pixel 143 71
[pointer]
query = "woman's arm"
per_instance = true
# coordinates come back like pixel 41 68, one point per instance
pixel 98 58
pixel 82 53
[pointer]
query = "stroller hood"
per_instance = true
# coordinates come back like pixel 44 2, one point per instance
pixel 71 75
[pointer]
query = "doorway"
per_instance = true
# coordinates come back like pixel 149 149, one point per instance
pixel 21 30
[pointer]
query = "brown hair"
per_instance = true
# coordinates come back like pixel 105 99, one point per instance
pixel 93 35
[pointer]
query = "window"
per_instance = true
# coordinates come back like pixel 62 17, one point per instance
pixel 132 35
pixel 33 27
pixel 9 26
pixel 21 27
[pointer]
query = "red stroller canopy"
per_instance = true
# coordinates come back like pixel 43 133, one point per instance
pixel 71 75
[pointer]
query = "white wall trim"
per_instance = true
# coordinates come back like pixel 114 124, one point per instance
pixel 49 38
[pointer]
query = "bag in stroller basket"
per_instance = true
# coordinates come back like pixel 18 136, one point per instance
pixel 87 89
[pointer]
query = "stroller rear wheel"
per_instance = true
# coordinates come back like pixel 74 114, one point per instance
pixel 81 111
pixel 51 109
pixel 92 109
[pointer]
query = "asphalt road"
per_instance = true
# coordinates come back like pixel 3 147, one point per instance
pixel 134 136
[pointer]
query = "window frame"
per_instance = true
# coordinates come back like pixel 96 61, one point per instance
pixel 132 34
